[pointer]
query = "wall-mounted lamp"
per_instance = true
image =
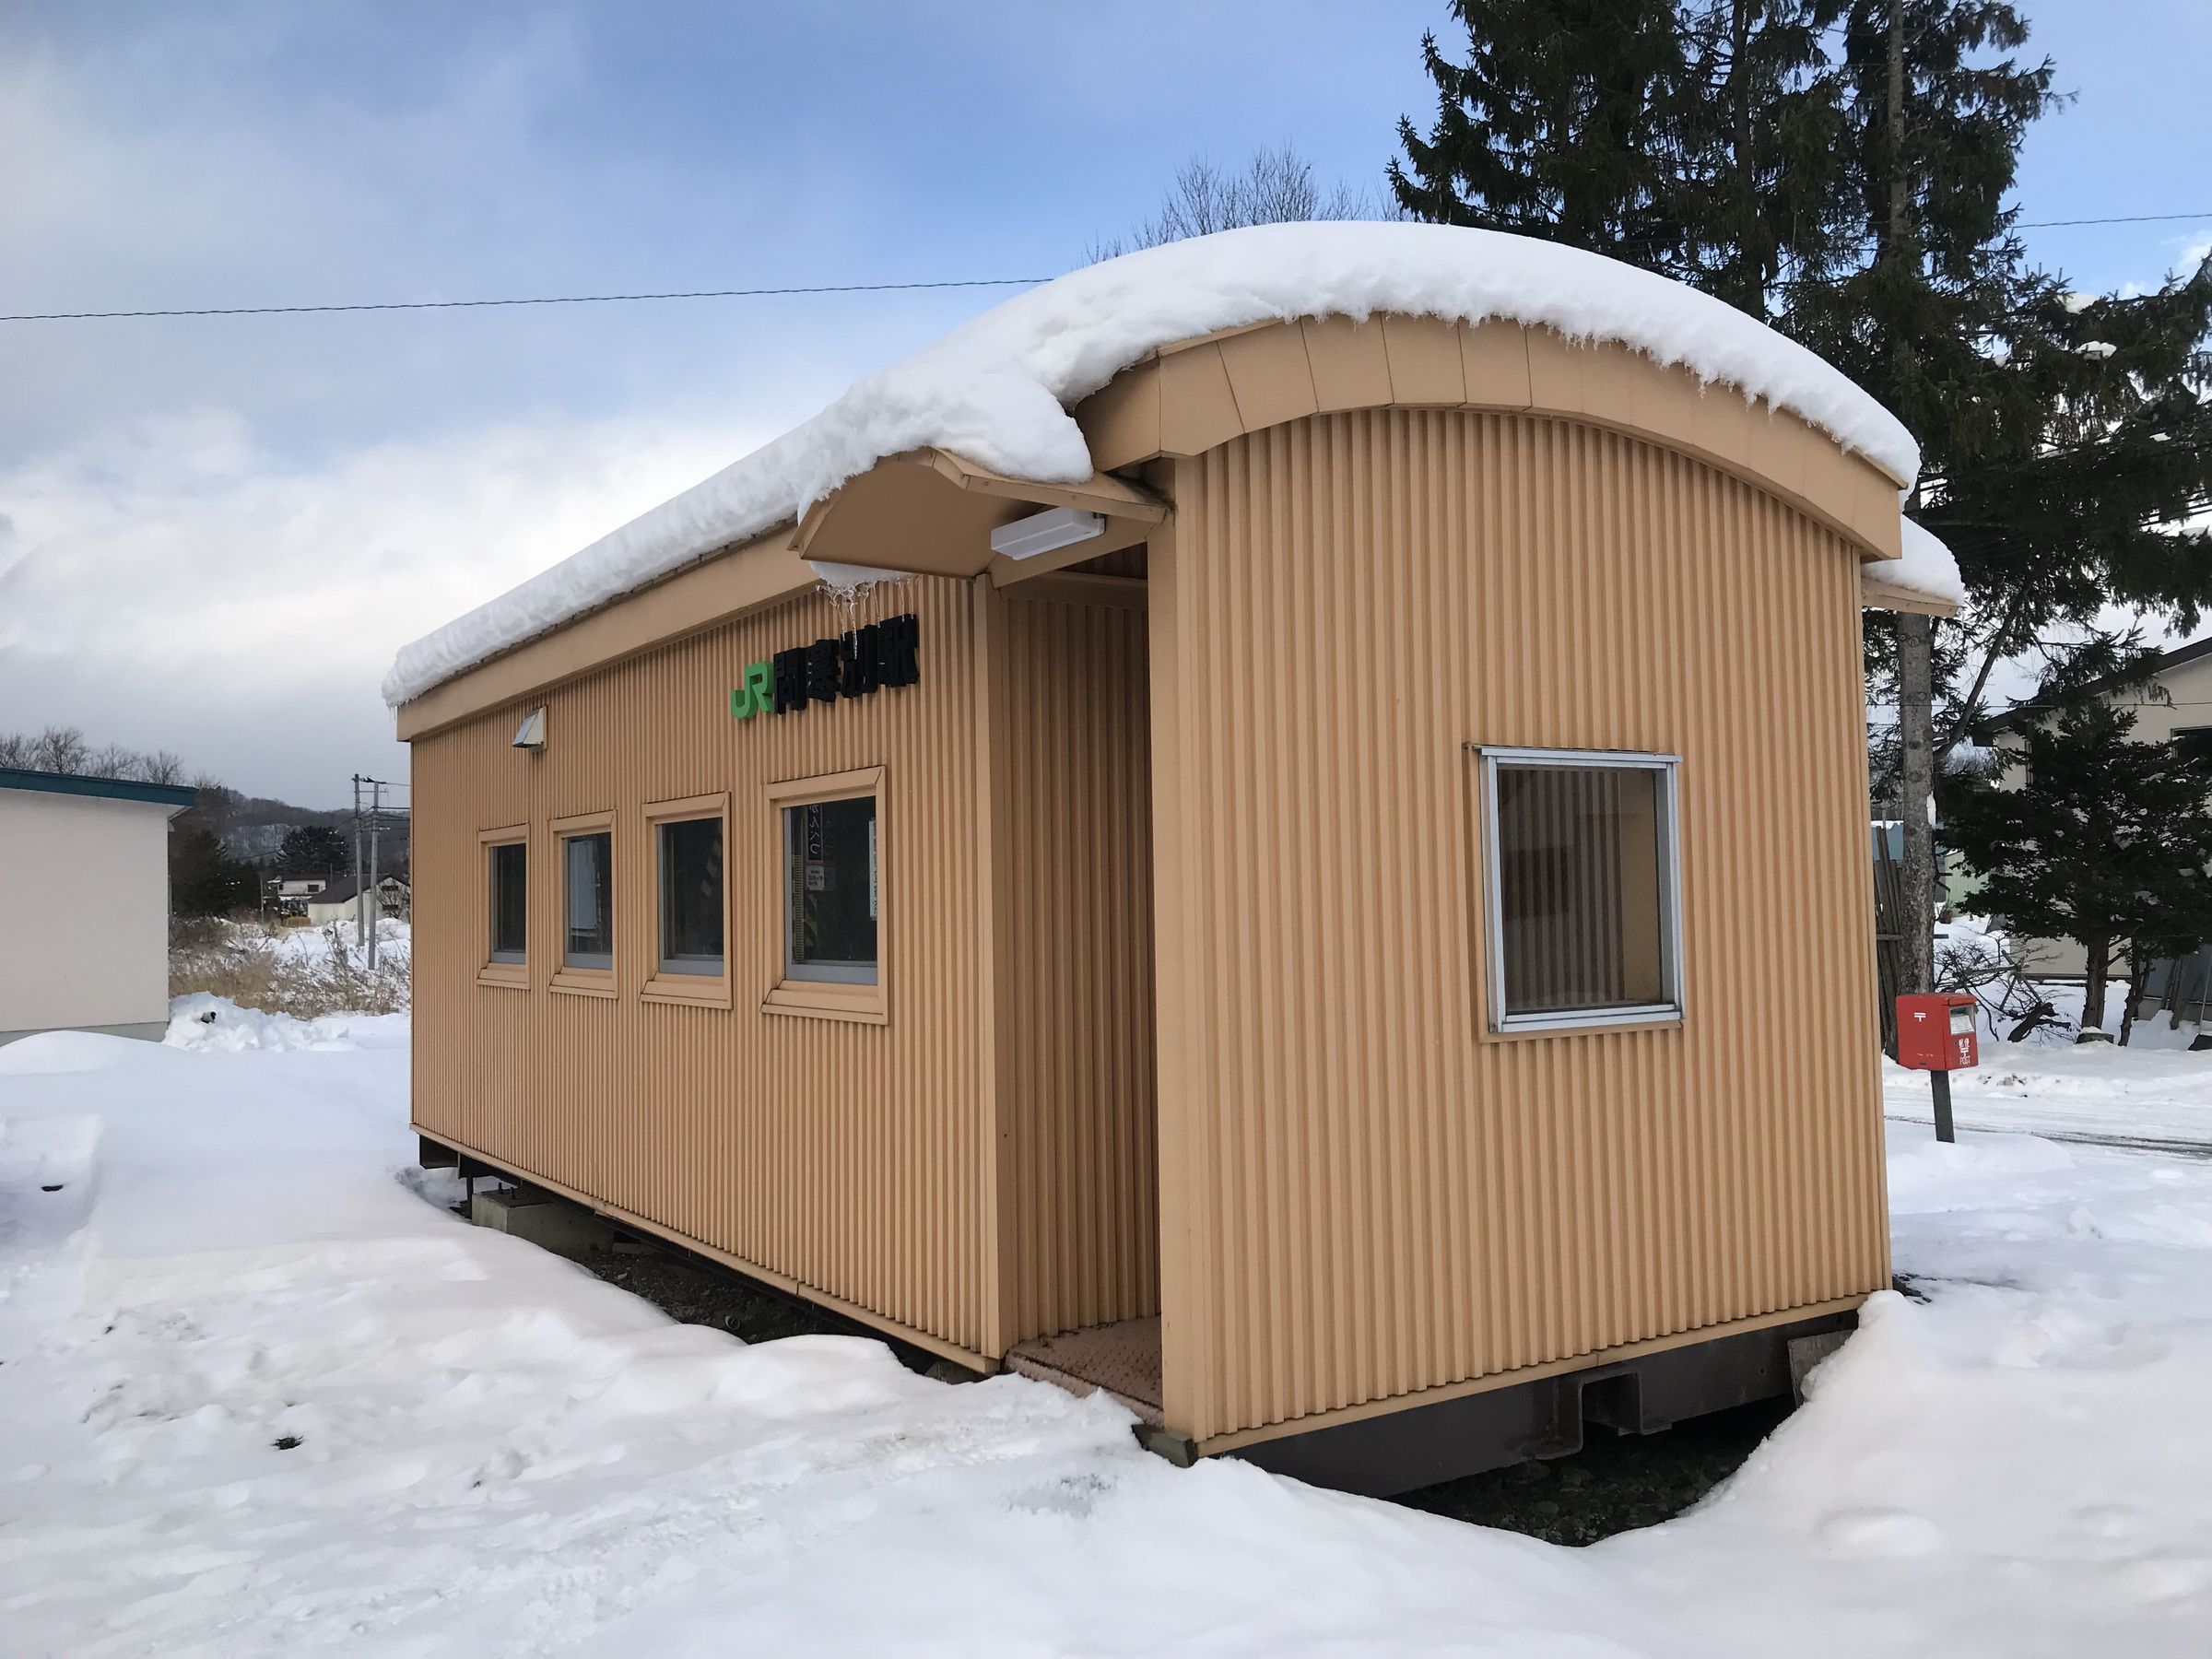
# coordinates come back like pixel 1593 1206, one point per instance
pixel 1042 532
pixel 531 734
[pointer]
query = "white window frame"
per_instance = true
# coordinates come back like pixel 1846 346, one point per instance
pixel 1669 1009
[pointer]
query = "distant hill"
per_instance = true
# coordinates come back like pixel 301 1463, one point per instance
pixel 254 827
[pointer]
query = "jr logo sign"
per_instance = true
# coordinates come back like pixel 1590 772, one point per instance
pixel 853 665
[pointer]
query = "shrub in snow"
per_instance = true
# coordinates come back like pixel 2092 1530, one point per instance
pixel 305 972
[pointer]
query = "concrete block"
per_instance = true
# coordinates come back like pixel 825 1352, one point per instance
pixel 546 1221
pixel 1807 1352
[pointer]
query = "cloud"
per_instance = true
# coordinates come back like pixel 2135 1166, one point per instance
pixel 173 582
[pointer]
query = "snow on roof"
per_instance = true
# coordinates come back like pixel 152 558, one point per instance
pixel 1926 568
pixel 996 391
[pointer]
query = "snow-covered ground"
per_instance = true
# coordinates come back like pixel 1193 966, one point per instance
pixel 394 941
pixel 2098 1093
pixel 261 1393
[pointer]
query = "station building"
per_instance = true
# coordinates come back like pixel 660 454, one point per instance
pixel 1277 827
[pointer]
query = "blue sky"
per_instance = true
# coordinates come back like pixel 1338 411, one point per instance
pixel 217 530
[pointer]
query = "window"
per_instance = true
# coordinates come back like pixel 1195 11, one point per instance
pixel 507 907
pixel 691 895
pixel 2194 744
pixel 1582 888
pixel 585 849
pixel 830 836
pixel 690 957
pixel 588 880
pixel 829 890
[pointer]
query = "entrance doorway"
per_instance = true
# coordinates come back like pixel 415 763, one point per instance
pixel 1073 723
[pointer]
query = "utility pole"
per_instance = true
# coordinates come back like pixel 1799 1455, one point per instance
pixel 359 937
pixel 367 896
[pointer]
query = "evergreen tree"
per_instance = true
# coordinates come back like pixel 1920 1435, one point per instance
pixel 1761 139
pixel 313 850
pixel 1562 123
pixel 1702 139
pixel 2062 441
pixel 203 880
pixel 1933 130
pixel 2107 842
pixel 2081 509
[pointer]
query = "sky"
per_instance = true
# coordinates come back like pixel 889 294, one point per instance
pixel 214 532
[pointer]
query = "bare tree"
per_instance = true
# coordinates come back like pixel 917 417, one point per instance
pixel 64 749
pixel 1276 186
pixel 60 749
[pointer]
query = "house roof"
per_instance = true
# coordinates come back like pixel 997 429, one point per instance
pixel 997 393
pixel 2162 662
pixel 342 889
pixel 108 789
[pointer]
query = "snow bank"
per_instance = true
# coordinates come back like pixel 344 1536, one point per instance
pixel 204 1021
pixel 996 391
pixel 260 1398
pixel 1926 568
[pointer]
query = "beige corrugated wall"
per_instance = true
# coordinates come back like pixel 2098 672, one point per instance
pixel 1364 1196
pixel 851 1157
pixel 1076 908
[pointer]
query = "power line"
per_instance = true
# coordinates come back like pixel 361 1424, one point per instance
pixel 751 293
pixel 400 305
pixel 2129 218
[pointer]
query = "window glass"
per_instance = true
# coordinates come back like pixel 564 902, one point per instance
pixel 2194 744
pixel 691 895
pixel 509 900
pixel 829 890
pixel 1581 906
pixel 588 884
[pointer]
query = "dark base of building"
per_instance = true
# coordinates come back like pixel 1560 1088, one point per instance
pixel 1418 1446
pixel 1421 1445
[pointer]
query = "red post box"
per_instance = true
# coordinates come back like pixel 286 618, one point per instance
pixel 1936 1032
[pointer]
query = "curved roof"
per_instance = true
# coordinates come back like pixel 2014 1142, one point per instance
pixel 1924 577
pixel 998 391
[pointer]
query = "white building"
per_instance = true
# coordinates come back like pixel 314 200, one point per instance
pixel 341 901
pixel 83 903
pixel 2173 703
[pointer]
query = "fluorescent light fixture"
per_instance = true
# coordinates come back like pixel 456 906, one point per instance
pixel 531 734
pixel 1042 532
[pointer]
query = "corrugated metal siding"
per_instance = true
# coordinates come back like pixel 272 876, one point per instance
pixel 1077 895
pixel 851 1157
pixel 1368 1196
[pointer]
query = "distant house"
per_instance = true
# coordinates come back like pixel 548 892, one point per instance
pixel 2173 703
pixel 83 903
pixel 291 893
pixel 339 901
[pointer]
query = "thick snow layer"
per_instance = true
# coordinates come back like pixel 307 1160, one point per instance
pixel 206 1021
pixel 2156 1093
pixel 261 1395
pixel 312 945
pixel 1926 567
pixel 996 391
